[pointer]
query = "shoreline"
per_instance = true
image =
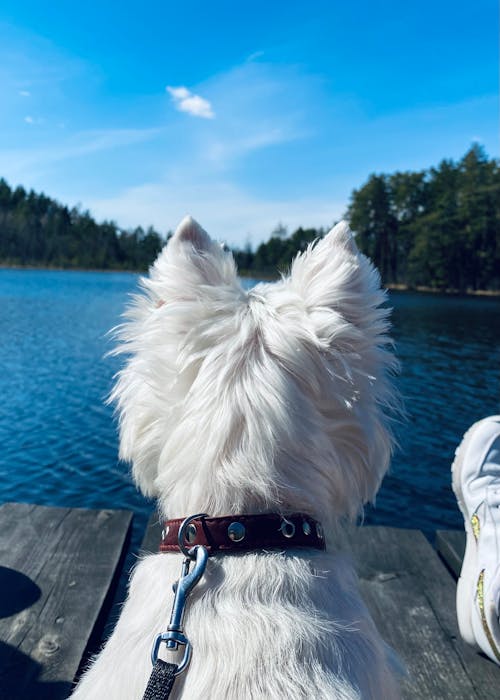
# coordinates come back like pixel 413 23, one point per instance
pixel 265 277
pixel 443 292
pixel 55 268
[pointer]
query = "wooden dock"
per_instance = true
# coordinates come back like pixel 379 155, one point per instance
pixel 59 568
pixel 58 571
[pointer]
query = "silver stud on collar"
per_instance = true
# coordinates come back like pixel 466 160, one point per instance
pixel 236 532
pixel 190 533
pixel 287 529
pixel 319 531
pixel 306 528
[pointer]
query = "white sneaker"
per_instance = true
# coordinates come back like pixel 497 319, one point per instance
pixel 476 483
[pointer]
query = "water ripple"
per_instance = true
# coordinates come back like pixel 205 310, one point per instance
pixel 59 443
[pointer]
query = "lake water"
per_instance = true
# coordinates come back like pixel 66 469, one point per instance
pixel 58 438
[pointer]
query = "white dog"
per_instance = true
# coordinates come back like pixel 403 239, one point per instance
pixel 233 402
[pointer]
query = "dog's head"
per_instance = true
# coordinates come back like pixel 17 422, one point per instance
pixel 271 399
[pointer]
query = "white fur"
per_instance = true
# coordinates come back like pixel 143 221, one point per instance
pixel 236 402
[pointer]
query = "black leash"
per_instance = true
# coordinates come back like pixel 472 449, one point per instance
pixel 161 681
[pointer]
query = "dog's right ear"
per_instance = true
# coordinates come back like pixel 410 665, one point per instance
pixel 340 292
pixel 334 276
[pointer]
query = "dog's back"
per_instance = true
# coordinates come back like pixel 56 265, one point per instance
pixel 268 401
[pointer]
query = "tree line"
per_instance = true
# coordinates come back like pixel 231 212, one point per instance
pixel 436 228
pixel 35 230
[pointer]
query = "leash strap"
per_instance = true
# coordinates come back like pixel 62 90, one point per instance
pixel 161 681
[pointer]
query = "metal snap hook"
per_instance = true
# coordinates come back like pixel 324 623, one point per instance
pixel 174 637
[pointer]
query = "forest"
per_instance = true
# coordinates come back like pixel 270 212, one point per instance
pixel 37 231
pixel 437 228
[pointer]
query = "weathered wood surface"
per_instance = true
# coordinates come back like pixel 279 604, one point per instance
pixel 152 536
pixel 58 569
pixel 411 596
pixel 451 547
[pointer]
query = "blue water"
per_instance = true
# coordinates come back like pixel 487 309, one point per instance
pixel 58 438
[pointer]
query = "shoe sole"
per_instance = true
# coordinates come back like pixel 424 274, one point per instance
pixel 466 585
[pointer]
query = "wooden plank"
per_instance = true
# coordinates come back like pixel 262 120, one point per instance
pixel 451 547
pixel 411 596
pixel 59 566
pixel 151 542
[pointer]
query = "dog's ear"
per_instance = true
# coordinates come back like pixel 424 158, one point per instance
pixel 190 261
pixel 192 282
pixel 339 291
pixel 333 275
pixel 189 231
pixel 323 270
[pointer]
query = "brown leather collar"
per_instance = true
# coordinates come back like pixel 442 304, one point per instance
pixel 236 533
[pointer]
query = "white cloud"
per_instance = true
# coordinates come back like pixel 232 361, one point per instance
pixel 258 106
pixel 186 101
pixel 221 151
pixel 34 120
pixel 179 93
pixel 25 93
pixel 20 163
pixel 254 56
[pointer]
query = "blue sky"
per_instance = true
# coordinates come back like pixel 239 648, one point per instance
pixel 241 114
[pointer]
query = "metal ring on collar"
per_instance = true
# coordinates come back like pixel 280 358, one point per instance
pixel 182 532
pixel 287 528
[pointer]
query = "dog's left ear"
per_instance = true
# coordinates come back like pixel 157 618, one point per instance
pixel 190 231
pixel 333 275
pixel 192 280
pixel 190 261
